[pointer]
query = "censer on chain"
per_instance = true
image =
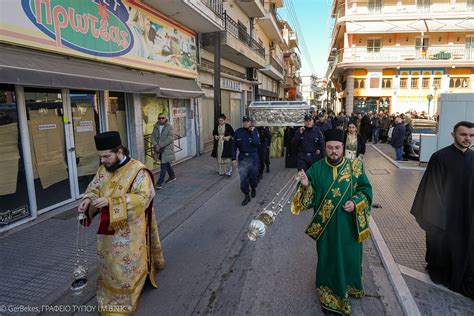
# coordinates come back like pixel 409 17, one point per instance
pixel 265 219
pixel 80 271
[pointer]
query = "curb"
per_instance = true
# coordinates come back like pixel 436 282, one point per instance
pixel 402 291
pixel 396 164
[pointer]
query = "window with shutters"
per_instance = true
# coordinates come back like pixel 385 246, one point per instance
pixel 414 83
pixel 386 83
pixel 425 83
pixel 459 82
pixel 374 45
pixel 403 83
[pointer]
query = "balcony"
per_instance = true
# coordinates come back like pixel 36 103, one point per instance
pixel 406 55
pixel 238 46
pixel 293 59
pixel 199 15
pixel 273 69
pixel 270 26
pixel 394 8
pixel 253 8
pixel 293 39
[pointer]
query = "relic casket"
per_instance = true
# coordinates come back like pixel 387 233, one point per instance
pixel 278 113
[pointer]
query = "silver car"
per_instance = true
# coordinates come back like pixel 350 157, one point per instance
pixel 420 126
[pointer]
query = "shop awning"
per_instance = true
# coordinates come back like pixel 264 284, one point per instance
pixel 33 68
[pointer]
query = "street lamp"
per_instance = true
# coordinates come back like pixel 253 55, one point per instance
pixel 429 97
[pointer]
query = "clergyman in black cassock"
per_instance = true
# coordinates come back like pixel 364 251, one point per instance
pixel 444 208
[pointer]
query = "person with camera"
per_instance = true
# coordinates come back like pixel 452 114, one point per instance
pixel 309 142
pixel 162 138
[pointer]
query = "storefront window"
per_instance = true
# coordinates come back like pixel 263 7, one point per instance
pixel 116 115
pixel 13 189
pixel 48 147
pixel 151 107
pixel 84 108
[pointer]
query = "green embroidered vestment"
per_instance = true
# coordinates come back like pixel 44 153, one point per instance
pixel 338 234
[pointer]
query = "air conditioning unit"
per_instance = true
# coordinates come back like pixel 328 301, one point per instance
pixel 251 74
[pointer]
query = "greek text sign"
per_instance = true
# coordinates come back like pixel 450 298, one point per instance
pixel 124 32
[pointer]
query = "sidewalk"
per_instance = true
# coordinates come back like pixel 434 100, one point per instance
pixel 394 192
pixel 37 262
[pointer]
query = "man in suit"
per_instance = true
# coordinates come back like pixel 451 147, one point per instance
pixel 163 144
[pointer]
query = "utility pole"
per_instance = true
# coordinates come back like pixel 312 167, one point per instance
pixel 217 76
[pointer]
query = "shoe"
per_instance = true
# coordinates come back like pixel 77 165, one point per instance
pixel 268 169
pixel 170 180
pixel 158 186
pixel 253 193
pixel 246 200
pixel 229 174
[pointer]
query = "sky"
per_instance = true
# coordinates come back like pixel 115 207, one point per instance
pixel 316 26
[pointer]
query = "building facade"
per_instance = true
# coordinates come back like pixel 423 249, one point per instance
pixel 399 55
pixel 292 82
pixel 72 70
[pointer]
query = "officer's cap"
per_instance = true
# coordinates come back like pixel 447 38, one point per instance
pixel 245 118
pixel 308 117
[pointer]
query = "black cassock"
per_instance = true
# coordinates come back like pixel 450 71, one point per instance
pixel 444 208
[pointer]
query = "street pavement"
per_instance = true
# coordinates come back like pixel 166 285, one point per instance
pixel 213 269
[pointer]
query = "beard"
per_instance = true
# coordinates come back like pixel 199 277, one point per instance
pixel 114 166
pixel 463 145
pixel 334 159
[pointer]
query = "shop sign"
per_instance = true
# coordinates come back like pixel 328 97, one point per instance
pixel 230 84
pixel 179 112
pixel 124 32
pixel 10 216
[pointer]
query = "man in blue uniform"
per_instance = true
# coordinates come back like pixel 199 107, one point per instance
pixel 247 141
pixel 264 150
pixel 309 142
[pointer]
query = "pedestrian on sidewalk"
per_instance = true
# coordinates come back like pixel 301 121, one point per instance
pixel 376 123
pixel 264 150
pixel 222 150
pixel 128 244
pixel 340 194
pixel 398 137
pixel 246 140
pixel 162 138
pixel 408 136
pixel 444 208
pixel 354 143
pixel 309 143
pixel 366 127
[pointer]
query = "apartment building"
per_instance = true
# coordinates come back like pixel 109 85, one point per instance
pixel 292 82
pixel 313 90
pixel 399 55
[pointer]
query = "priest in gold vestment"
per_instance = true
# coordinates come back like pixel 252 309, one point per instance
pixel 128 244
pixel 338 190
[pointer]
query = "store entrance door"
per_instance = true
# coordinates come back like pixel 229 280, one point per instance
pixel 85 125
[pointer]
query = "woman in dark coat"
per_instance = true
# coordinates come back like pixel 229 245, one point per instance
pixel 223 134
pixel 354 143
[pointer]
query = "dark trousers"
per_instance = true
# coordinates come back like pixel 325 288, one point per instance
pixel 164 168
pixel 248 173
pixel 263 159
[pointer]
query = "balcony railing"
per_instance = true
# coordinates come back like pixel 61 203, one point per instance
pixel 234 29
pixel 406 53
pixel 276 65
pixel 216 6
pixel 420 6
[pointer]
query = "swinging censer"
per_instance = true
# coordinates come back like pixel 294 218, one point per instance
pixel 265 219
pixel 80 271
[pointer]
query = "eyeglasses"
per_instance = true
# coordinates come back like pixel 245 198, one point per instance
pixel 161 118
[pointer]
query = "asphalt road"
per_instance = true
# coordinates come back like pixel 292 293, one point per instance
pixel 213 269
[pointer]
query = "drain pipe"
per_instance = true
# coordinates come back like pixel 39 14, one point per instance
pixel 197 127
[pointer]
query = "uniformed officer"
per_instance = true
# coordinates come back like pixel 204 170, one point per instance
pixel 246 140
pixel 264 150
pixel 309 142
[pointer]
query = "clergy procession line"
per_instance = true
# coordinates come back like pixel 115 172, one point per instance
pixel 333 183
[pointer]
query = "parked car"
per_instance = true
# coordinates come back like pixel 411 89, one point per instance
pixel 420 126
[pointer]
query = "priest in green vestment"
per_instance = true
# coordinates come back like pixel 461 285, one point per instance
pixel 338 190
